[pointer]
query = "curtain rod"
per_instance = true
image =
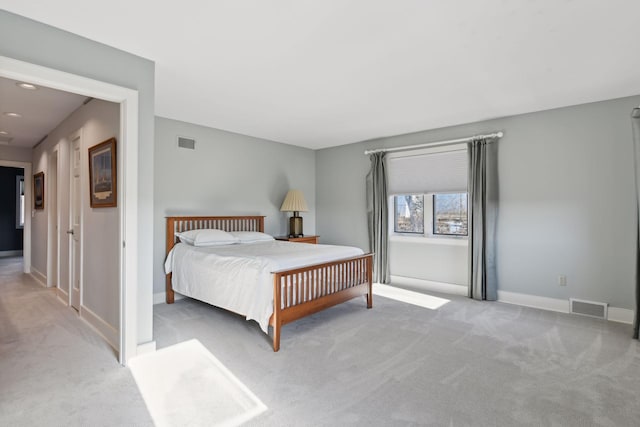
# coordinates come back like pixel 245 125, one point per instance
pixel 436 143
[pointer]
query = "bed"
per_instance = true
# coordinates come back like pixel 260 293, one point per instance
pixel 295 288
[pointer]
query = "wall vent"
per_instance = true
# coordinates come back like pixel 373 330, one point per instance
pixel 588 308
pixel 188 143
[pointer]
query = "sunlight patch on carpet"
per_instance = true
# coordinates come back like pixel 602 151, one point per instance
pixel 409 297
pixel 186 385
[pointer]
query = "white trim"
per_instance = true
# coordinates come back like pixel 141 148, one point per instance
pixel 63 296
pixel 621 315
pixel 431 286
pixel 104 329
pixel 526 300
pixel 127 180
pixel 26 236
pixel 614 314
pixel 52 226
pixel 5 254
pixel 40 278
pixel 429 239
pixel 147 347
pixel 161 297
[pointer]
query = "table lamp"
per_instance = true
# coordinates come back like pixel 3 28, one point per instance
pixel 294 202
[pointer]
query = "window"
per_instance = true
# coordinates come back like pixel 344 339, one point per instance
pixel 440 214
pixel 450 214
pixel 20 201
pixel 408 213
pixel 428 192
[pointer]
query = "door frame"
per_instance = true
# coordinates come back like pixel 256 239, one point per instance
pixel 127 177
pixel 77 134
pixel 28 207
pixel 53 221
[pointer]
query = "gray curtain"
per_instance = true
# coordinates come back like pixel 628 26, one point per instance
pixel 377 217
pixel 483 213
pixel 635 121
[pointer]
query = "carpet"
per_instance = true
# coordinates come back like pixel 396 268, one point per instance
pixel 186 385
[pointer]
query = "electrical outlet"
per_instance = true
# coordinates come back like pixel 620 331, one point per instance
pixel 562 280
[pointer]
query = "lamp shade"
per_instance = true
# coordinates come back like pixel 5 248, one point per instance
pixel 294 202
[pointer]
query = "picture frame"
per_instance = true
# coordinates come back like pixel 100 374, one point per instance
pixel 38 191
pixel 103 188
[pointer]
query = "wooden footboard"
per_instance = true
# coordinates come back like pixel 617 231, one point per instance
pixel 303 291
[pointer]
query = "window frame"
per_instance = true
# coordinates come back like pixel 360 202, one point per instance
pixel 395 212
pixel 428 218
pixel 433 215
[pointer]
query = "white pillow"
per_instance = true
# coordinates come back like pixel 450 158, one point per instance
pixel 206 237
pixel 251 236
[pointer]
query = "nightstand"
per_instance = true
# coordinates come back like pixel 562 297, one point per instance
pixel 303 239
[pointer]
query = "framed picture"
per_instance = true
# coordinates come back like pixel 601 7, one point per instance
pixel 102 174
pixel 38 190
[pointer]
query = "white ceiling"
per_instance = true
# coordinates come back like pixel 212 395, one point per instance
pixel 330 72
pixel 42 110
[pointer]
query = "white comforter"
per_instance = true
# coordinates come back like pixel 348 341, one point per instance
pixel 238 277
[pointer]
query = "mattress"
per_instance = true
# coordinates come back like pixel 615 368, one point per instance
pixel 238 277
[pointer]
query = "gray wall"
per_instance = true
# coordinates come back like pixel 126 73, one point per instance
pixel 15 154
pixel 227 174
pixel 36 43
pixel 566 198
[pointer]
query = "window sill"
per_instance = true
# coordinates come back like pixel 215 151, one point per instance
pixel 430 240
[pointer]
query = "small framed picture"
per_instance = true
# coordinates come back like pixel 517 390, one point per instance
pixel 102 174
pixel 38 191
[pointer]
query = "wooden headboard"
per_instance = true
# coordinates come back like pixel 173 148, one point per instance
pixel 178 224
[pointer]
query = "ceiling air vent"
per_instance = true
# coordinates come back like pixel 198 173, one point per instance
pixel 5 140
pixel 188 143
pixel 588 308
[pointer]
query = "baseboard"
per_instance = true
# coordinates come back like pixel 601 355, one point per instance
pixel 614 314
pixel 622 315
pixel 533 301
pixel 147 347
pixel 63 296
pixel 40 278
pixel 108 332
pixel 161 297
pixel 428 285
pixel 7 254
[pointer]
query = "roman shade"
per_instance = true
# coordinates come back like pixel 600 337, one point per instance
pixel 428 172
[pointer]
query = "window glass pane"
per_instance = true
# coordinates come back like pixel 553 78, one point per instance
pixel 22 210
pixel 20 202
pixel 450 214
pixel 409 214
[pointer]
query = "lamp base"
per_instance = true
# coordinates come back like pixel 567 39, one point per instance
pixel 295 226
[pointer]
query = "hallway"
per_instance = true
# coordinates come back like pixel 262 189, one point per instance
pixel 54 369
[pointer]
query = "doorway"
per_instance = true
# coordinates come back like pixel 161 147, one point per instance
pixel 126 175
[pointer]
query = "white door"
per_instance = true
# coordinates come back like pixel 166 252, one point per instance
pixel 75 224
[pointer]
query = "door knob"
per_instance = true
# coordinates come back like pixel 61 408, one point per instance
pixel 70 232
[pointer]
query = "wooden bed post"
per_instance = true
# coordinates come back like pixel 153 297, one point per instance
pixel 277 322
pixel 169 297
pixel 370 281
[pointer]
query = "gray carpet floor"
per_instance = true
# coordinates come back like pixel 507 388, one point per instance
pixel 54 369
pixel 467 363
